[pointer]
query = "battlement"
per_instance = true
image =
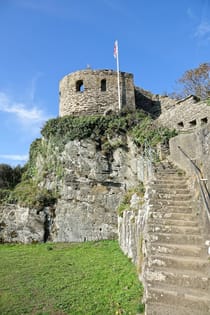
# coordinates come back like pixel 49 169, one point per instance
pixel 89 92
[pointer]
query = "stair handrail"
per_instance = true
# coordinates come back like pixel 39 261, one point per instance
pixel 201 181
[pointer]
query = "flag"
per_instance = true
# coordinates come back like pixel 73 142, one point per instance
pixel 116 49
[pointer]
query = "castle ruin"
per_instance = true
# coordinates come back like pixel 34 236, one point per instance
pixel 95 92
pixel 92 92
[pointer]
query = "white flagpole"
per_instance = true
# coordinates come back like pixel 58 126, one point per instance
pixel 116 55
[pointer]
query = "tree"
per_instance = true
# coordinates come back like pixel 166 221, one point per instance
pixel 9 177
pixel 6 176
pixel 196 81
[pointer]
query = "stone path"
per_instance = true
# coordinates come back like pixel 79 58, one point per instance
pixel 177 268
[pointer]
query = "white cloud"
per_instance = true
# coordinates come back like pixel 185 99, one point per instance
pixel 14 157
pixel 191 14
pixel 201 24
pixel 112 5
pixel 26 116
pixel 21 122
pixel 33 86
pixel 203 30
pixel 38 5
pixel 48 7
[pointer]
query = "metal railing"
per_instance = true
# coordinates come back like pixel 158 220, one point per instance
pixel 201 182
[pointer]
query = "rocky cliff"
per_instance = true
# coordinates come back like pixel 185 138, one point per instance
pixel 90 189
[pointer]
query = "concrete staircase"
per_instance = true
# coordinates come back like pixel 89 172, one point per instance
pixel 177 267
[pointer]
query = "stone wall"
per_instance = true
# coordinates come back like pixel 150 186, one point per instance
pixel 191 152
pixel 89 92
pixel 184 115
pixel 196 145
pixel 131 229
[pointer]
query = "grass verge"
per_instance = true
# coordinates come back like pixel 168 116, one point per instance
pixel 89 278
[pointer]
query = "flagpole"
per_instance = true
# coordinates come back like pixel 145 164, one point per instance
pixel 116 54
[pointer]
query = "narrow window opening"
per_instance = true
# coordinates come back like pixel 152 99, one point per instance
pixel 80 86
pixel 204 121
pixel 193 123
pixel 181 124
pixel 103 85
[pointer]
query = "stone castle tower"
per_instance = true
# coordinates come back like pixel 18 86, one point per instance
pixel 90 92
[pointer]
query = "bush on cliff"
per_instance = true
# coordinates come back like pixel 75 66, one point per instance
pixel 59 131
pixel 29 194
pixel 105 130
pixel 138 124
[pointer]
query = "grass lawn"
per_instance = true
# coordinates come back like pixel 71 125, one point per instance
pixel 79 279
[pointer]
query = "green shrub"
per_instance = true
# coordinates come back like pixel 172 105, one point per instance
pixel 125 204
pixel 10 176
pixel 208 101
pixel 139 124
pixel 147 133
pixel 107 131
pixel 69 128
pixel 4 195
pixel 29 194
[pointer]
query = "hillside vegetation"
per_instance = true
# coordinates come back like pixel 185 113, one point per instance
pixel 109 132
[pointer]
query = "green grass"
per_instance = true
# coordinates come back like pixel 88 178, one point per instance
pixel 89 278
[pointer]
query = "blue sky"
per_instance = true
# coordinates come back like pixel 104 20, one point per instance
pixel 43 40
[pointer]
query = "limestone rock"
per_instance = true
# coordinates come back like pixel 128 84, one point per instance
pixel 90 191
pixel 18 224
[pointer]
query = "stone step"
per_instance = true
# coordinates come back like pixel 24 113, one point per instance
pixel 177 249
pixel 198 302
pixel 184 279
pixel 178 262
pixel 176 272
pixel 168 171
pixel 167 208
pixel 162 221
pixel 170 191
pixel 172 197
pixel 169 186
pixel 178 216
pixel 171 174
pixel 164 309
pixel 175 239
pixel 182 202
pixel 155 228
pixel 160 168
pixel 182 218
pixel 167 181
pixel 165 168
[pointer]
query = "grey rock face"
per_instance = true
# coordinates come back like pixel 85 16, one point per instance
pixel 90 191
pixel 18 224
pixel 93 186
